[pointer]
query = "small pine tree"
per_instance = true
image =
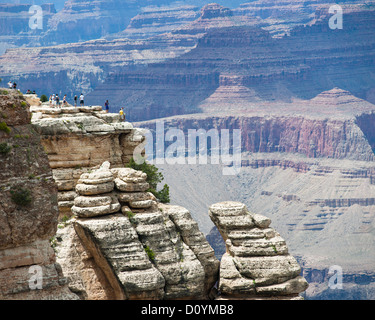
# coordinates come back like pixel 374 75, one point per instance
pixel 43 98
pixel 153 178
pixel 163 194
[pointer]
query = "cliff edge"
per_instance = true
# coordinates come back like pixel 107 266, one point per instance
pixel 28 209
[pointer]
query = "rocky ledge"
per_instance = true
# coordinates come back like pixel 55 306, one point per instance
pixel 77 139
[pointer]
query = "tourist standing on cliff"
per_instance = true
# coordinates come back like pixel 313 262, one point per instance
pixel 10 85
pixel 75 100
pixel 82 100
pixel 122 114
pixel 64 101
pixel 106 106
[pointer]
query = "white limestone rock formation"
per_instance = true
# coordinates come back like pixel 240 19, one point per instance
pixel 123 244
pixel 78 140
pixel 119 254
pixel 132 189
pixel 95 194
pixel 256 264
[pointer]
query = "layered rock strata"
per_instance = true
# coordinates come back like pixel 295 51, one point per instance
pixel 298 70
pixel 142 249
pixel 28 209
pixel 153 21
pixel 77 139
pixel 315 128
pixel 256 264
pixel 15 24
pixel 245 64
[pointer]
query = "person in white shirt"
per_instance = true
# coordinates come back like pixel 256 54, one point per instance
pixel 82 99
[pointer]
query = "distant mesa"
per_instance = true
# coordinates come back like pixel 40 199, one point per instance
pixel 336 97
pixel 214 10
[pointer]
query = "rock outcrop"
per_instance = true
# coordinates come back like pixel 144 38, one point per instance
pixel 28 209
pixel 122 244
pixel 256 264
pixel 77 139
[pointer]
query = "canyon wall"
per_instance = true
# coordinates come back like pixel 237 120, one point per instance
pixel 323 208
pixel 28 209
pixel 15 28
pixel 313 59
pixel 305 135
pixel 272 68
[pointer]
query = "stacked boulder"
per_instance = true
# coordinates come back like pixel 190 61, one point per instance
pixel 256 264
pixel 96 196
pixel 132 189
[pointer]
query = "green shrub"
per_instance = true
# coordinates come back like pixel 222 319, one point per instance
pixel 21 196
pixel 5 148
pixel 150 253
pixel 43 98
pixel 131 217
pixel 153 174
pixel 64 222
pixel 153 178
pixel 23 104
pixel 20 136
pixel 163 194
pixel 65 219
pixel 4 127
pixel 4 92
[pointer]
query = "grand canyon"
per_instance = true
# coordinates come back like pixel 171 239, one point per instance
pixel 295 78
